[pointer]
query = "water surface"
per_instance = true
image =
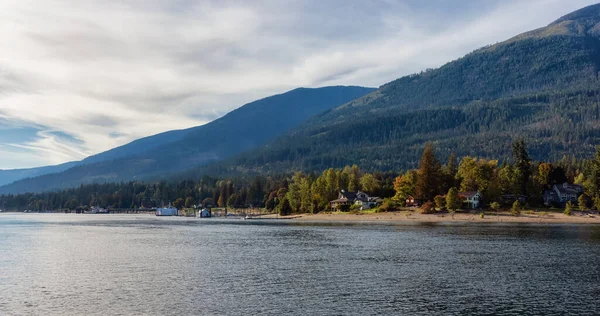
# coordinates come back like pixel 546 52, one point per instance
pixel 57 264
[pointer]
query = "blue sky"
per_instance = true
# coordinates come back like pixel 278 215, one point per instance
pixel 81 77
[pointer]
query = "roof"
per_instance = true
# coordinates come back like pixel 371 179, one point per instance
pixel 468 194
pixel 342 200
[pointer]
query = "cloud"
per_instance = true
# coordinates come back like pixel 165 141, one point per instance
pixel 86 76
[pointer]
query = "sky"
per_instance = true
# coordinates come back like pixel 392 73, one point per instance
pixel 83 76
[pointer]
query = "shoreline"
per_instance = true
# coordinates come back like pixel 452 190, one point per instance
pixel 408 217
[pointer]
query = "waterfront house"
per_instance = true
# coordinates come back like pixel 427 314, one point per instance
pixel 473 199
pixel 204 213
pixel 362 199
pixel 167 211
pixel 412 202
pixel 562 193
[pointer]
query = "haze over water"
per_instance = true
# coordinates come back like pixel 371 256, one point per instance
pixel 54 264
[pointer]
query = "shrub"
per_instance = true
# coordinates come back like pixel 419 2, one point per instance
pixel 495 206
pixel 583 202
pixel 387 205
pixel 440 202
pixel 516 208
pixel 427 208
pixel 569 208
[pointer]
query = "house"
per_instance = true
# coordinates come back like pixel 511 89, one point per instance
pixel 167 211
pixel 509 199
pixel 362 199
pixel 472 198
pixel 412 202
pixel 562 193
pixel 204 213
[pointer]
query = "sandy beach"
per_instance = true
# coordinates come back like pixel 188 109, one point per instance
pixel 407 216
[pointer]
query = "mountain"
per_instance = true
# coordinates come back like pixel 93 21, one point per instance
pixel 133 148
pixel 157 156
pixel 542 85
pixel 12 175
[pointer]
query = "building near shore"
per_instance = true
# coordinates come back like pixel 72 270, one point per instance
pixel 204 213
pixel 166 211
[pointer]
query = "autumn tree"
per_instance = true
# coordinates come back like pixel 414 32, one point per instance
pixel 178 203
pixel 404 185
pixel 429 175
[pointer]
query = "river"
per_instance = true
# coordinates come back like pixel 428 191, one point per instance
pixel 59 264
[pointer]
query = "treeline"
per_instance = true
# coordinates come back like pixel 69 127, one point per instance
pixel 521 179
pixel 271 192
pixel 516 178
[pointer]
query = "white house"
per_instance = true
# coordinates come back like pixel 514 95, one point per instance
pixel 472 198
pixel 204 213
pixel 166 211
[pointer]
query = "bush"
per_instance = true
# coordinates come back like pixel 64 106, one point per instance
pixel 387 205
pixel 440 202
pixel 516 208
pixel 495 206
pixel 427 208
pixel 569 208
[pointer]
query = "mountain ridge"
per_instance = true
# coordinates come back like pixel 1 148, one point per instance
pixel 540 84
pixel 243 128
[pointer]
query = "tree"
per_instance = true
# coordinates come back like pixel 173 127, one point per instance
pixel 284 207
pixel 429 175
pixel 208 202
pixel 597 203
pixel 516 208
pixel 404 185
pixel 369 183
pixel 595 173
pixel 189 202
pixel 221 202
pixel 544 173
pixel 440 202
pixel 522 165
pixel 583 201
pixel 231 201
pixel 569 208
pixel 72 204
pixel 178 203
pixel 453 201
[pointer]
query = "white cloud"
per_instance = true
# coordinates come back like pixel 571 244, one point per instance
pixel 108 72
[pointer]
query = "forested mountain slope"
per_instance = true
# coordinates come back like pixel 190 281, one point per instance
pixel 158 156
pixel 542 85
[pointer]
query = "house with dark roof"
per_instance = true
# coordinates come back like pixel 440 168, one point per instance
pixel 473 199
pixel 562 193
pixel 359 198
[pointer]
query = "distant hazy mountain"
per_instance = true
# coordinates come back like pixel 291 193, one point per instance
pixel 542 85
pixel 242 129
pixel 12 175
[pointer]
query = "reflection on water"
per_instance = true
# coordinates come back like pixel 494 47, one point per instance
pixel 108 264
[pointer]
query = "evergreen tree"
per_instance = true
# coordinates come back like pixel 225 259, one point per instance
pixel 522 165
pixel 429 175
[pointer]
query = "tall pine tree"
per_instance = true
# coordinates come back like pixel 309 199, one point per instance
pixel 429 175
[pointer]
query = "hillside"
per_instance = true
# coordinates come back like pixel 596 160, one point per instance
pixel 542 85
pixel 12 175
pixel 242 129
